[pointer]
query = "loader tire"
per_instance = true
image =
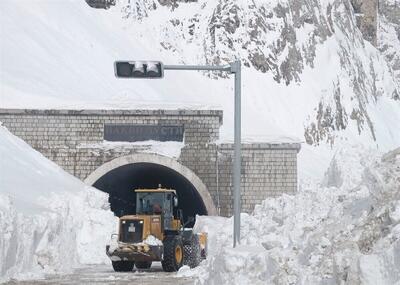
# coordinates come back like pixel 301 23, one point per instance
pixel 173 254
pixel 143 264
pixel 123 266
pixel 192 252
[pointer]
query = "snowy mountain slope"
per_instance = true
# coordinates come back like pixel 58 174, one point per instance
pixel 389 35
pixel 310 74
pixel 282 39
pixel 322 235
pixel 46 215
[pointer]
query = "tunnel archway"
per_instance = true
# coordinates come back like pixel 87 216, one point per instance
pixel 122 175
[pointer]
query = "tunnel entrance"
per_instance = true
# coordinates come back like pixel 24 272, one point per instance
pixel 121 182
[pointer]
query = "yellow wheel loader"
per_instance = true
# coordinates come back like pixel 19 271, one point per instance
pixel 154 233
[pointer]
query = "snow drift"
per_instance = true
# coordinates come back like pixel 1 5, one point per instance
pixel 323 235
pixel 47 217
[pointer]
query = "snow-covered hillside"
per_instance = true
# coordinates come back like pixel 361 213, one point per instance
pixel 309 54
pixel 47 217
pixel 307 71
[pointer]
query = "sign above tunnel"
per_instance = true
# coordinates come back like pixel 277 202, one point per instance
pixel 136 133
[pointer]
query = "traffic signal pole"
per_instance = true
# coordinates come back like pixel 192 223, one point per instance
pixel 232 68
pixel 236 69
pixel 198 67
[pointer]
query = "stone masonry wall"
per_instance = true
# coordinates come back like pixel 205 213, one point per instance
pixel 73 138
pixel 268 170
pixel 65 136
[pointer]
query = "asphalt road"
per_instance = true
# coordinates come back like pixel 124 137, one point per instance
pixel 102 274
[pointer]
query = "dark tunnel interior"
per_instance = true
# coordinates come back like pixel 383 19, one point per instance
pixel 121 182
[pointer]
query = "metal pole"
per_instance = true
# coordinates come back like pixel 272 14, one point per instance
pixel 233 68
pixel 236 69
pixel 197 67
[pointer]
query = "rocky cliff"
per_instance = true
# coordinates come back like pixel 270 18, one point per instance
pixel 389 35
pixel 283 39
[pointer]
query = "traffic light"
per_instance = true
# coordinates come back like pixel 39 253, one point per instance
pixel 139 69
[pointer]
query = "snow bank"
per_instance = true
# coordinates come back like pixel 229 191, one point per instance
pixel 47 217
pixel 322 235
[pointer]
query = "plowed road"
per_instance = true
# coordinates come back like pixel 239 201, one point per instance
pixel 102 274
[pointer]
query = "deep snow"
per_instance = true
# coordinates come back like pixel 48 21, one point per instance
pixel 345 229
pixel 345 234
pixel 47 217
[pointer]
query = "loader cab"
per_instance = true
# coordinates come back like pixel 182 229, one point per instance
pixel 158 202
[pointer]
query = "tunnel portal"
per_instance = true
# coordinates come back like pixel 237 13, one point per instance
pixel 121 182
pixel 78 141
